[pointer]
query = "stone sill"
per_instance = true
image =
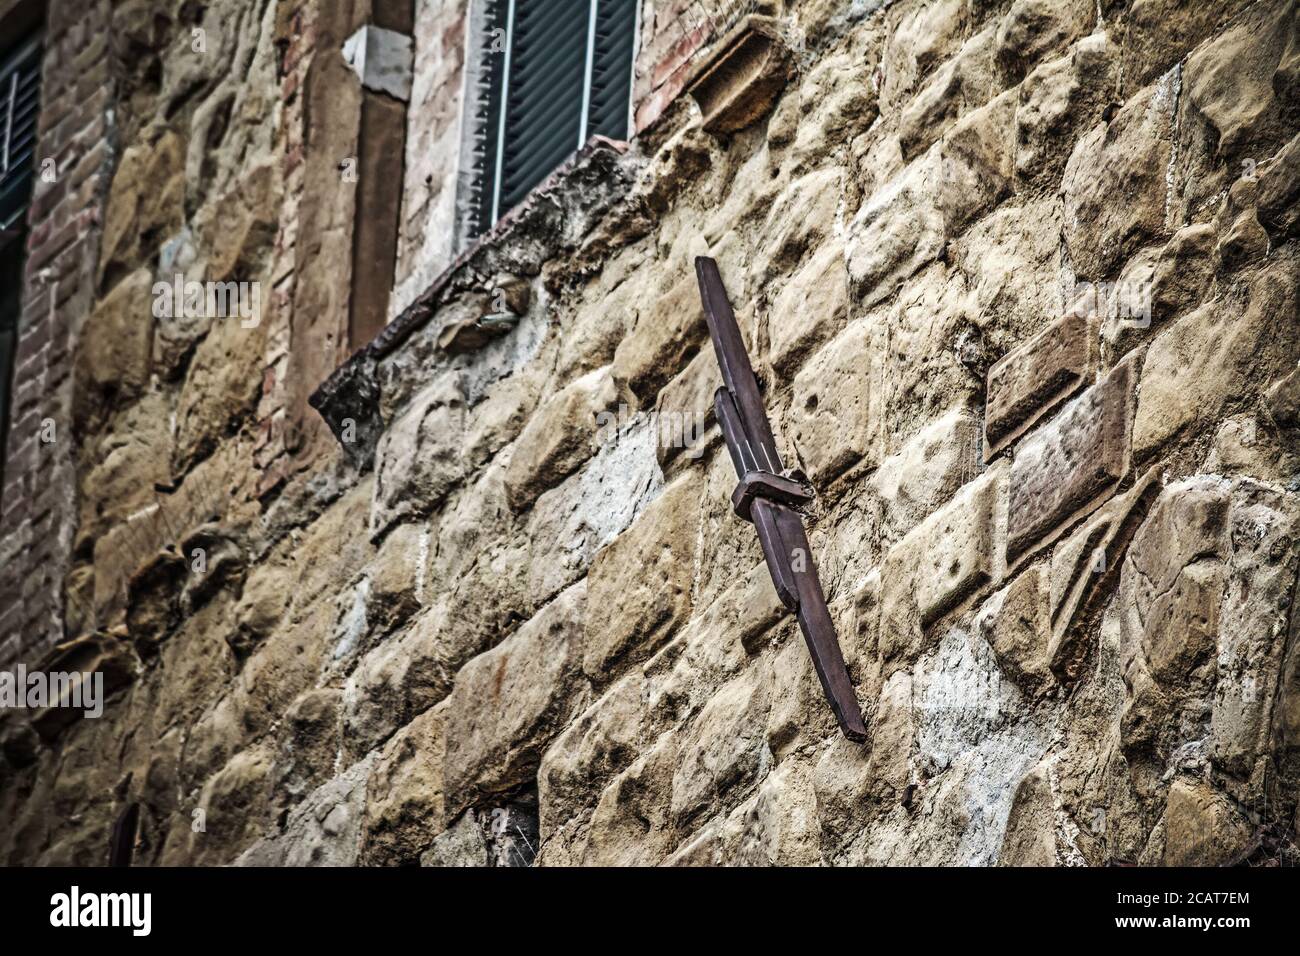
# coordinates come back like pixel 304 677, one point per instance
pixel 553 218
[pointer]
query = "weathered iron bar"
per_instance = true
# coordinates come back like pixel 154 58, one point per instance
pixel 765 496
pixel 122 840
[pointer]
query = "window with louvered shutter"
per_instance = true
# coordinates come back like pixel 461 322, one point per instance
pixel 20 81
pixel 20 78
pixel 551 74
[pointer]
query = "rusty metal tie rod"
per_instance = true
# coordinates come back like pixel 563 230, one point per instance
pixel 766 496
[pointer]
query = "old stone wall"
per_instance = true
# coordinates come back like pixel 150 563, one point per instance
pixel 1019 280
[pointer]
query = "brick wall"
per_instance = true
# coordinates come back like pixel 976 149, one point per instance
pixel 296 38
pixel 39 517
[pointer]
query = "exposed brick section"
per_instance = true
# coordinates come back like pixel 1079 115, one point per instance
pixel 1062 470
pixel 1029 380
pixel 296 35
pixel 39 512
pixel 671 39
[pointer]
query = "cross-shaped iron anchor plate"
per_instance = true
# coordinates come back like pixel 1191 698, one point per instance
pixel 767 495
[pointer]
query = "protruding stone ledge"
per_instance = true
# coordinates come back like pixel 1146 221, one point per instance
pixel 1030 380
pixel 349 402
pixel 555 218
pixel 97 653
pixel 555 215
pixel 740 83
pixel 1068 468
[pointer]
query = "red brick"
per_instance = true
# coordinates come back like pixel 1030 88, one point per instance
pixel 680 53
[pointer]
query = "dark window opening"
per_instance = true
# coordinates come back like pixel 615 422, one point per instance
pixel 20 81
pixel 551 74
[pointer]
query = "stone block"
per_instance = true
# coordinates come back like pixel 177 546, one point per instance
pixel 967 81
pixel 1059 98
pixel 598 744
pixel 396 680
pixel 837 99
pixel 463 844
pixel 1160 33
pixel 893 738
pixel 1254 618
pixel 939 563
pixel 684 410
pixel 1183 272
pixel 1016 623
pixel 569 525
pixel 834 411
pixel 113 357
pixel 222 386
pixel 722 751
pixel 398 576
pixel 1202 827
pixel 1033 378
pixel 641 582
pixel 977 163
pixel 146 198
pixel 800 218
pixel 898 230
pixel 667 333
pixel 1215 357
pixel 508 703
pixel 420 457
pixel 308 747
pixel 1235 82
pixel 235 808
pixel 1114 183
pixel 558 438
pixel 777 826
pixel 497 420
pixel 632 825
pixel 1279 192
pixel 926 472
pixel 405 796
pixel 923 38
pixel 1282 400
pixel 286 665
pixel 811 308
pixel 325 829
pixel 1064 469
pixel 1034 29
pixel 95 654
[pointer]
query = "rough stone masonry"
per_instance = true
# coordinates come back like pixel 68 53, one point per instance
pixel 1019 279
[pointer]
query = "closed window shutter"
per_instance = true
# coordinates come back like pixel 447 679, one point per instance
pixel 20 81
pixel 548 64
pixel 611 69
pixel 562 75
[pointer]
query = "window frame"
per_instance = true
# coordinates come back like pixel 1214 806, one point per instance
pixel 13 233
pixel 11 62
